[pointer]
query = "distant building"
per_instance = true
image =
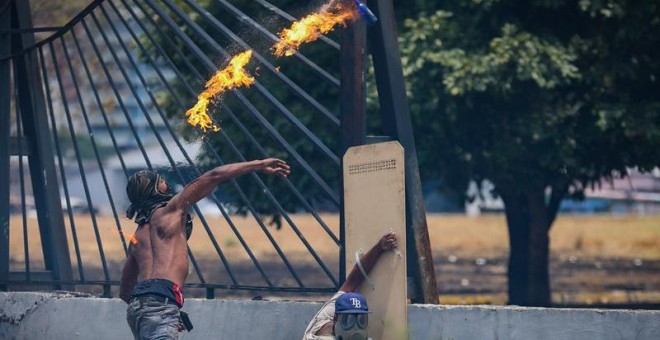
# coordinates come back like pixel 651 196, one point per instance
pixel 637 193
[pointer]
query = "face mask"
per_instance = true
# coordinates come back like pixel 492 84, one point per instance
pixel 351 326
pixel 142 191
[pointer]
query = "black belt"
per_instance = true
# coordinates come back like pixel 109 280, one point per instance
pixel 159 298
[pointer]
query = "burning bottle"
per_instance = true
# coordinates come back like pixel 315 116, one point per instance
pixel 229 78
pixel 365 12
pixel 313 26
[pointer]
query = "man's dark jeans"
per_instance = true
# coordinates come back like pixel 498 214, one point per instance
pixel 152 319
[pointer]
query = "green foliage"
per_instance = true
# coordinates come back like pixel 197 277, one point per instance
pixel 528 94
pixel 534 94
pixel 543 98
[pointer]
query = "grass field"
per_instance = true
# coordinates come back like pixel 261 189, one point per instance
pixel 593 258
pixel 571 235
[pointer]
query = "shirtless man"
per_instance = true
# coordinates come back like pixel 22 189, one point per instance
pixel 157 262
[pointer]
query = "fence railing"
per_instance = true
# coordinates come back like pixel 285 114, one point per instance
pixel 103 77
pixel 105 95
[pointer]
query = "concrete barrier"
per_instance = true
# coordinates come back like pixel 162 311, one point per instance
pixel 36 316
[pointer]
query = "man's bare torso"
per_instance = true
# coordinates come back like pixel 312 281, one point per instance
pixel 161 250
pixel 160 247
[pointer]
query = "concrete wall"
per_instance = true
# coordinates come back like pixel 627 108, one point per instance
pixel 62 316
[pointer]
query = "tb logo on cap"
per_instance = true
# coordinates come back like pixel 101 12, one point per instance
pixel 351 303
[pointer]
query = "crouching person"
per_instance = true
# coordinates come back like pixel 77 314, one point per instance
pixel 345 316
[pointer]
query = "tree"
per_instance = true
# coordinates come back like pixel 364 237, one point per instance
pixel 543 98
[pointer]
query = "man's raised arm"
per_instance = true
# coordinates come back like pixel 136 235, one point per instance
pixel 368 261
pixel 206 183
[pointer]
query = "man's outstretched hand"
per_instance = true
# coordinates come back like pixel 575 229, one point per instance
pixel 355 277
pixel 388 241
pixel 274 166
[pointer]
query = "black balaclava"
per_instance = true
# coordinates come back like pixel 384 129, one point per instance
pixel 142 191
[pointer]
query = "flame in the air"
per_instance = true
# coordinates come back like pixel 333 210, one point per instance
pixel 312 27
pixel 229 78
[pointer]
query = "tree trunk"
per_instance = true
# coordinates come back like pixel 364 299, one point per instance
pixel 529 221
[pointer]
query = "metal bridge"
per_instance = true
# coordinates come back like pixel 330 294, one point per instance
pixel 104 96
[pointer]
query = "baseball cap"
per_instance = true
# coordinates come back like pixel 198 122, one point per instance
pixel 351 303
